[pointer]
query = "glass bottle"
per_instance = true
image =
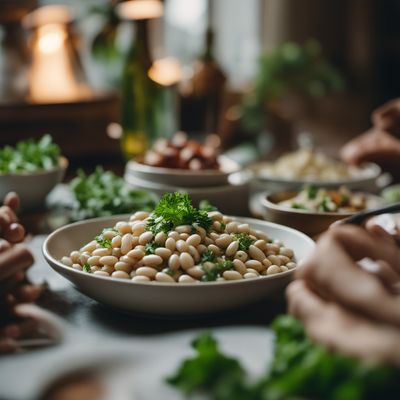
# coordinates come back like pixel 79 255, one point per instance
pixel 141 97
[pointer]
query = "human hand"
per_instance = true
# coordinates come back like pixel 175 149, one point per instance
pixel 344 307
pixel 15 258
pixel 387 117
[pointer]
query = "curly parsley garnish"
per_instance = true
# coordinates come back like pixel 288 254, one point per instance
pixel 208 256
pixel 211 274
pixel 86 267
pixel 176 209
pixel 245 241
pixel 150 248
pixel 106 243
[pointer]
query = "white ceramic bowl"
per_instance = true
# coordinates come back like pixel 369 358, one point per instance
pixel 168 298
pixel 183 177
pixel 368 174
pixel 33 187
pixel 229 198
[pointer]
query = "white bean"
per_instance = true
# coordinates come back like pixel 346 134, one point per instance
pixel 182 246
pixel 108 260
pixel 152 260
pixel 140 278
pixel 250 275
pixel 232 275
pixel 147 271
pixel 140 215
pixel 94 268
pixel 224 241
pixel 170 244
pixel 232 249
pixel 108 268
pixel 67 261
pixel 136 253
pixel 109 234
pixel 163 252
pixel 252 271
pixel 102 251
pixel 173 262
pixel 274 260
pixel 84 258
pixel 239 266
pixel 94 260
pixel 116 241
pixel 232 227
pixel 163 277
pixel 261 235
pixel 101 273
pixel 90 247
pixel 201 248
pixel 116 252
pixel 201 231
pixel 284 251
pixel 145 238
pixel 196 272
pixel 123 227
pixel 193 240
pixel 216 250
pixel 261 244
pixel 194 253
pixel 186 279
pixel 284 259
pixel 242 256
pixel 244 228
pixel 160 238
pixel 186 260
pixel 254 264
pixel 184 229
pixel 77 267
pixel 273 269
pixel 120 275
pixel 138 228
pixel 173 235
pixel 266 262
pixel 291 265
pixel 122 266
pixel 284 268
pixel 256 253
pixel 74 256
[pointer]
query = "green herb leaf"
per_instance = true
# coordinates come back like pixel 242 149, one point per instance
pixel 150 248
pixel 176 209
pixel 245 241
pixel 205 205
pixel 212 274
pixel 209 256
pixel 106 243
pixel 86 267
pixel 312 192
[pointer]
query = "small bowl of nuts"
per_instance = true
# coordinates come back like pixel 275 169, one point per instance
pixel 181 162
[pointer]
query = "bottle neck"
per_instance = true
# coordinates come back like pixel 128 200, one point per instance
pixel 141 45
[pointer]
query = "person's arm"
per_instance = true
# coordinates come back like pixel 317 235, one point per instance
pixel 343 306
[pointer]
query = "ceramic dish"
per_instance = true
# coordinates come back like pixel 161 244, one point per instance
pixel 308 222
pixel 183 177
pixel 33 187
pixel 367 177
pixel 168 298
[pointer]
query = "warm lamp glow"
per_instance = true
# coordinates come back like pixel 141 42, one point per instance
pixel 52 76
pixel 140 9
pixel 166 71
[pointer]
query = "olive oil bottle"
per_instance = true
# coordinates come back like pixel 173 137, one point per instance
pixel 141 97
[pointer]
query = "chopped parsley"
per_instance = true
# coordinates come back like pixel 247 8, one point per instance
pixel 106 243
pixel 211 274
pixel 312 192
pixel 176 209
pixel 208 256
pixel 245 241
pixel 150 248
pixel 299 206
pixel 86 267
pixel 205 205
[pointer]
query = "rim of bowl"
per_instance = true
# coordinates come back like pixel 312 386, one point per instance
pixel 234 167
pixel 267 203
pixel 49 258
pixel 371 171
pixel 62 165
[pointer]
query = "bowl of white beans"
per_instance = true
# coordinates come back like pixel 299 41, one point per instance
pixel 187 270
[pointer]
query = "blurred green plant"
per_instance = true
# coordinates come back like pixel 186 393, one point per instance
pixel 289 69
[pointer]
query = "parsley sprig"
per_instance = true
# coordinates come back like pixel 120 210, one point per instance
pixel 176 209
pixel 151 247
pixel 211 274
pixel 245 241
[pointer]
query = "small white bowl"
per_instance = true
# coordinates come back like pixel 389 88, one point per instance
pixel 366 178
pixel 183 177
pixel 168 298
pixel 33 187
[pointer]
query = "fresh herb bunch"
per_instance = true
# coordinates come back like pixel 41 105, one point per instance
pixel 211 274
pixel 245 241
pixel 176 209
pixel 30 156
pixel 103 193
pixel 299 370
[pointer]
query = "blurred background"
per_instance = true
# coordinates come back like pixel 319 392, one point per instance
pixel 261 72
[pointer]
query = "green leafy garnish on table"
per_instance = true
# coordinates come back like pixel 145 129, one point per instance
pixel 103 193
pixel 30 156
pixel 300 370
pixel 176 209
pixel 245 241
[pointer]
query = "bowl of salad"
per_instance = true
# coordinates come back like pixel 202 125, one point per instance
pixel 32 168
pixel 312 209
